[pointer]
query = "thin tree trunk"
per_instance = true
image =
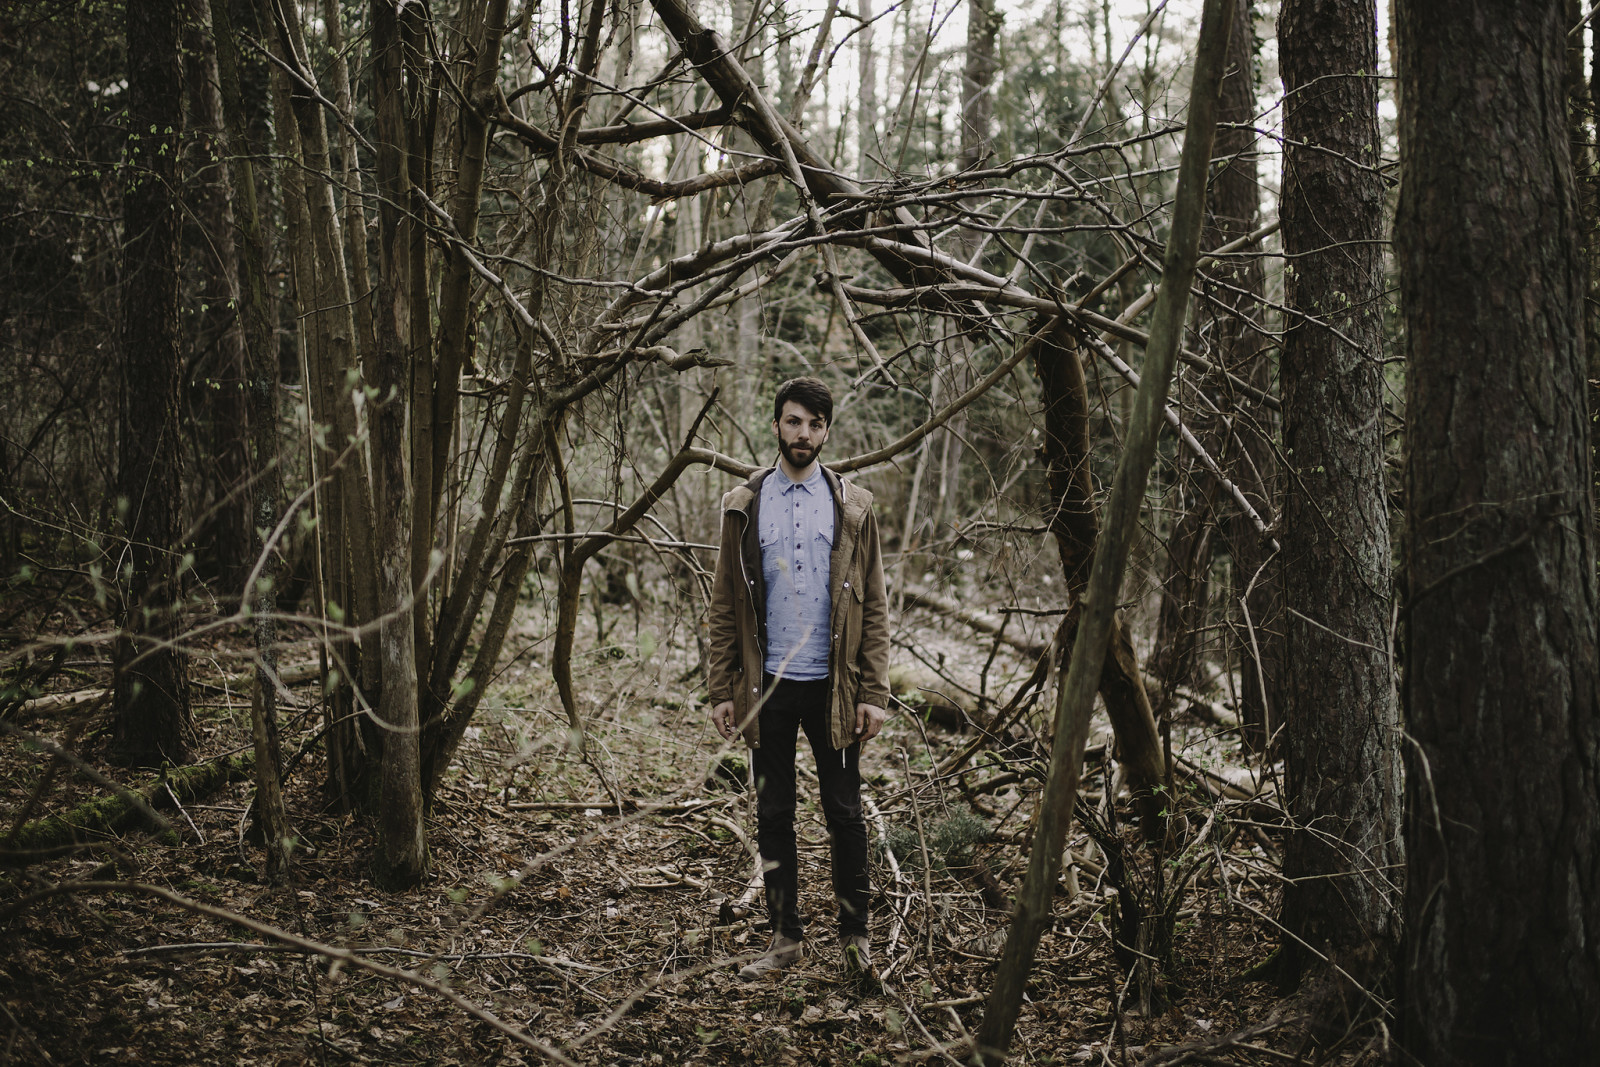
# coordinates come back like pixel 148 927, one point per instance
pixel 222 404
pixel 956 347
pixel 1240 441
pixel 455 283
pixel 254 310
pixel 1343 857
pixel 424 435
pixel 977 84
pixel 867 106
pixel 445 728
pixel 1580 123
pixel 1502 962
pixel 402 857
pixel 355 219
pixel 1245 444
pixel 151 703
pixel 334 314
pixel 345 506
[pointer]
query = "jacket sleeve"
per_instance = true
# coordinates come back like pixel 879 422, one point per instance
pixel 722 654
pixel 872 656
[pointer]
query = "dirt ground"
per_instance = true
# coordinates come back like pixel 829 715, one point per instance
pixel 556 927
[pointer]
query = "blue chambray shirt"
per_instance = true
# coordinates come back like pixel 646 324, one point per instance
pixel 796 521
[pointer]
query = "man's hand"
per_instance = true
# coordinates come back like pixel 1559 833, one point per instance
pixel 869 720
pixel 722 719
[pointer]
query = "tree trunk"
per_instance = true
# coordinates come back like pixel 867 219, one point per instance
pixel 1342 728
pixel 977 82
pixel 217 382
pixel 867 79
pixel 402 858
pixel 355 218
pixel 455 339
pixel 1580 125
pixel 1240 440
pixel 255 329
pixel 956 346
pixel 1502 962
pixel 1075 522
pixel 329 335
pixel 151 706
pixel 446 722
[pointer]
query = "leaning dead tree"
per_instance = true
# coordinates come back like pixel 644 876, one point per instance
pixel 1075 699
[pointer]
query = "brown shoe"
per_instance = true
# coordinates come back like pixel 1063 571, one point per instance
pixel 783 952
pixel 857 957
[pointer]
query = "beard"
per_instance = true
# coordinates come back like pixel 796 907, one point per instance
pixel 799 458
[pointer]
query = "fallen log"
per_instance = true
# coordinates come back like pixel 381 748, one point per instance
pixel 976 620
pixel 53 702
pixel 106 817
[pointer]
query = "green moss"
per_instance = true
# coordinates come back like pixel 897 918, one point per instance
pixel 106 817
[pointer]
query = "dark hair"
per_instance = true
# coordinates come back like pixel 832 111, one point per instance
pixel 812 394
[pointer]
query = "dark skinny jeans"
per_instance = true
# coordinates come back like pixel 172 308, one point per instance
pixel 794 705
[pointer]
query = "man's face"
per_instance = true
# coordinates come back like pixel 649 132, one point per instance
pixel 801 434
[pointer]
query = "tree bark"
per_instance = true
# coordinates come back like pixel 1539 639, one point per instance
pixel 402 857
pixel 1502 964
pixel 1343 857
pixel 151 705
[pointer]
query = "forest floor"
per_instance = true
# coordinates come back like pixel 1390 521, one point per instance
pixel 555 927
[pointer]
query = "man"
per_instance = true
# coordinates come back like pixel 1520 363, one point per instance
pixel 800 640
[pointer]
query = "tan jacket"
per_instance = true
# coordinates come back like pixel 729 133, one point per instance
pixel 858 649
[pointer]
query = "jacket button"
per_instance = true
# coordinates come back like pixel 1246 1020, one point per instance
pixel 847 585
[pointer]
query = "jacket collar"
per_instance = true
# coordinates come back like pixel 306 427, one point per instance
pixel 850 501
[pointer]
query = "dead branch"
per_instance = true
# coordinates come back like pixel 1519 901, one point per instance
pixel 304 944
pixel 1200 1051
pixel 976 620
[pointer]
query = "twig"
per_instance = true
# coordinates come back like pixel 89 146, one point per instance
pixel 200 837
pixel 674 878
pixel 17 1026
pixel 1196 1051
pixel 894 869
pixel 927 862
pixel 374 950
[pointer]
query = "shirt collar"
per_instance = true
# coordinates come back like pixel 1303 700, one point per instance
pixel 811 485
